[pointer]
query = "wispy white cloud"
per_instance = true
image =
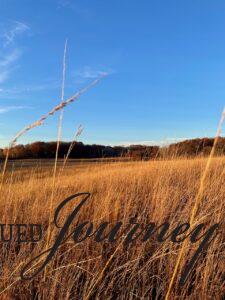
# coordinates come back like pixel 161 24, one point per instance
pixel 9 58
pixel 4 75
pixel 90 73
pixel 10 33
pixel 6 109
pixel 44 86
pixel 79 10
pixel 7 62
pixel 19 91
pixel 10 52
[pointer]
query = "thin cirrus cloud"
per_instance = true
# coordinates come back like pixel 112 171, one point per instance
pixel 79 10
pixel 7 63
pixel 6 109
pixel 90 73
pixel 4 75
pixel 10 53
pixel 9 58
pixel 16 29
pixel 15 92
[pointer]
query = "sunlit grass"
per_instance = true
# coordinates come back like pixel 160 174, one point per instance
pixel 153 191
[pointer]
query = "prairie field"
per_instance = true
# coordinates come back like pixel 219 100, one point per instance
pixel 147 191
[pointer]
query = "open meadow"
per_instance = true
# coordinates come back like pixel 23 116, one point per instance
pixel 150 191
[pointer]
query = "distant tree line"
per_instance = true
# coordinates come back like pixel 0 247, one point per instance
pixel 79 150
pixel 194 147
pixel 187 148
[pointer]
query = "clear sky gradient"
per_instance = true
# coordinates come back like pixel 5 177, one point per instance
pixel 165 59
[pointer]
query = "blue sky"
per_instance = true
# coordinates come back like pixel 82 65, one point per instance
pixel 165 60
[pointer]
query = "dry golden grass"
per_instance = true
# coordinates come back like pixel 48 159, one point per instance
pixel 154 191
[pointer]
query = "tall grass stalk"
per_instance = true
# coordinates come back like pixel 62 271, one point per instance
pixel 41 121
pixel 58 143
pixel 56 108
pixel 78 133
pixel 198 200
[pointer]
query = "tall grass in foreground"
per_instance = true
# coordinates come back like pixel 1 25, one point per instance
pixel 154 191
pixel 58 143
pixel 198 199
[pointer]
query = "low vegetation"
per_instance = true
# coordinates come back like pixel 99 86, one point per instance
pixel 150 191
